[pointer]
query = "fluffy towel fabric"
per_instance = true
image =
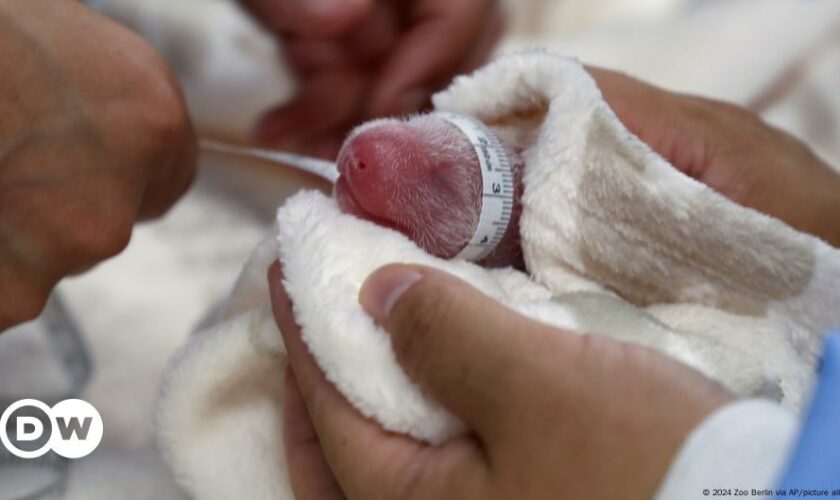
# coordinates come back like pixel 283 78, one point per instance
pixel 616 241
pixel 744 445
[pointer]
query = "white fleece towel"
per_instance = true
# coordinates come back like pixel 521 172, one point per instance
pixel 617 242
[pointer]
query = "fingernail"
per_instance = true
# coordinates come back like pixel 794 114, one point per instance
pixel 383 289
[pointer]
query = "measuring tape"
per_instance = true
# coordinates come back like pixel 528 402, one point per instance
pixel 496 178
pixel 497 186
pixel 321 168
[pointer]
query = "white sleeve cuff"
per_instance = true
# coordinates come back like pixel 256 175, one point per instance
pixel 740 447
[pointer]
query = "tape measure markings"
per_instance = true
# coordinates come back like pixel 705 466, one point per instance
pixel 497 186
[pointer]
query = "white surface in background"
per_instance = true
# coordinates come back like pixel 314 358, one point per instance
pixel 20 480
pixel 30 366
pixel 139 307
pixel 136 309
pixel 566 17
pixel 812 111
pixel 728 49
pixel 120 475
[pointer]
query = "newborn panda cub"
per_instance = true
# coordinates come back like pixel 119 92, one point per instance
pixel 421 176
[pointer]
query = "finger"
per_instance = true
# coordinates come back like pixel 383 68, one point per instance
pixel 485 45
pixel 676 135
pixel 38 247
pixel 25 287
pixel 367 44
pixel 438 40
pixel 309 472
pixel 325 102
pixel 323 18
pixel 172 176
pixel 465 349
pixel 160 164
pixel 378 35
pixel 392 463
pixel 309 56
pixel 331 414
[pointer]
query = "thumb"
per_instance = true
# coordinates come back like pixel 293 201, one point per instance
pixel 464 349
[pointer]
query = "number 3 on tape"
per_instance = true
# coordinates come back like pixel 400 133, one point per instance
pixel 497 186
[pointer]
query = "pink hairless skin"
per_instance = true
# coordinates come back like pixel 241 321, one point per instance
pixel 421 176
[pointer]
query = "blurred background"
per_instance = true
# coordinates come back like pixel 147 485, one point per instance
pixel 780 58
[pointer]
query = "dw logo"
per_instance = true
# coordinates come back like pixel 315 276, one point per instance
pixel 72 428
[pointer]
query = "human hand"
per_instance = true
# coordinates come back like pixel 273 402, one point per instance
pixel 731 150
pixel 360 59
pixel 93 136
pixel 552 414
